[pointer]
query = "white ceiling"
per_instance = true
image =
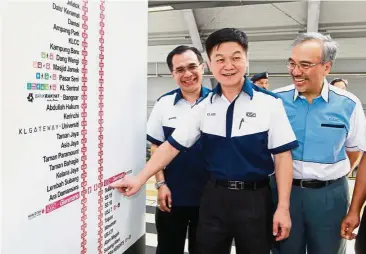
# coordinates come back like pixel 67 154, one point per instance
pixel 271 26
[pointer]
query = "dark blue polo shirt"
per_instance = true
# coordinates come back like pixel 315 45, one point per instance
pixel 238 138
pixel 186 175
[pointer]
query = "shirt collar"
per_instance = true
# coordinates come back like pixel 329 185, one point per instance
pixel 247 88
pixel 179 94
pixel 324 93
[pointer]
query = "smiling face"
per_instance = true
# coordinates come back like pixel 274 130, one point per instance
pixel 228 63
pixel 187 71
pixel 306 67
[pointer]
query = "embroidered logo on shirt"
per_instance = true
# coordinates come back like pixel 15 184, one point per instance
pixel 291 117
pixel 251 114
pixel 171 118
pixel 333 119
pixel 211 114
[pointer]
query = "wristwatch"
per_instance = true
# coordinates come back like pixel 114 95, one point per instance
pixel 159 184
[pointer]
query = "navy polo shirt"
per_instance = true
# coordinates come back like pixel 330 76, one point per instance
pixel 238 138
pixel 186 175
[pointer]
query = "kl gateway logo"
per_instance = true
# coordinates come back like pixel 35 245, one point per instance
pixel 40 128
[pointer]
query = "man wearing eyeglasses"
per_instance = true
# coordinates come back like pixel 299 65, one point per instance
pixel 329 125
pixel 180 185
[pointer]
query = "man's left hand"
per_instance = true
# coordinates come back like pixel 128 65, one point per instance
pixel 281 223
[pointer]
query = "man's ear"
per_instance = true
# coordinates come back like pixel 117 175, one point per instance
pixel 203 67
pixel 328 67
pixel 208 63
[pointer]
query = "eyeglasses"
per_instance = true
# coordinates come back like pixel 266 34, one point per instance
pixel 190 68
pixel 291 65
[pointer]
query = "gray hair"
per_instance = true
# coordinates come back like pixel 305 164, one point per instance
pixel 330 47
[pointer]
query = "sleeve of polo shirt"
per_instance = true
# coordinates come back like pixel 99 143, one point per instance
pixel 281 137
pixel 155 132
pixel 356 139
pixel 188 130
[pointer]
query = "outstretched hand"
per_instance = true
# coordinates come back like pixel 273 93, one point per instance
pixel 128 186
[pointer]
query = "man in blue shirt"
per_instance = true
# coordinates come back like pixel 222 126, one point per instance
pixel 181 184
pixel 241 127
pixel 329 124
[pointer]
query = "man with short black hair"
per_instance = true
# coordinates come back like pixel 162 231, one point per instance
pixel 181 184
pixel 241 127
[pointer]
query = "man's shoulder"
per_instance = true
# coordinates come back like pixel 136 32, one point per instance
pixel 341 94
pixel 204 99
pixel 284 90
pixel 286 93
pixel 264 93
pixel 168 95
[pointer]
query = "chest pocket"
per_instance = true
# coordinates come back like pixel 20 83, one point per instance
pixel 329 142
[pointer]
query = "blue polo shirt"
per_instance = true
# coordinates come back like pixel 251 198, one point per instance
pixel 186 175
pixel 238 138
pixel 333 124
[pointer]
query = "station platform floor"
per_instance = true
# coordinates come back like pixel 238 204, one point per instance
pixel 151 237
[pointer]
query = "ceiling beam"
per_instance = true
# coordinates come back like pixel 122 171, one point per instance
pixel 313 15
pixel 190 21
pixel 182 5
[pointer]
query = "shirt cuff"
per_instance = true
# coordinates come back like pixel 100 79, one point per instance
pixel 284 148
pixel 176 145
pixel 153 140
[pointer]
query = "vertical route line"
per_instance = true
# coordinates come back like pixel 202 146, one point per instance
pixel 101 128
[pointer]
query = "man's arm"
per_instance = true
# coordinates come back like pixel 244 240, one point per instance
pixel 164 194
pixel 352 220
pixel 158 161
pixel 283 170
pixel 281 141
pixel 182 138
pixel 128 186
pixel 354 158
pixel 159 177
pixel 359 193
